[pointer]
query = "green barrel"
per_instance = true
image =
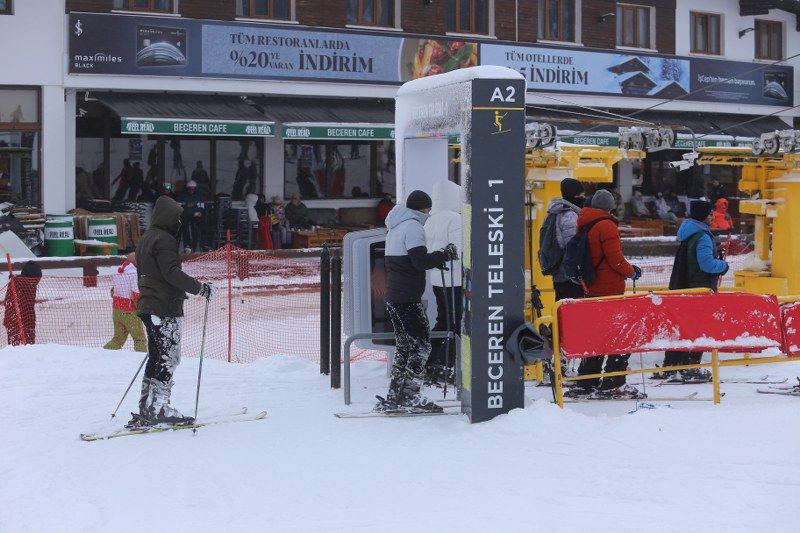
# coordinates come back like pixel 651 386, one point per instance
pixel 104 229
pixel 59 236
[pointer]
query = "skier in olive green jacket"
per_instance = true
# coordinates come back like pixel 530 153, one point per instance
pixel 162 290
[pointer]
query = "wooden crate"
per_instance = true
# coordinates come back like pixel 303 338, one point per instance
pixel 315 239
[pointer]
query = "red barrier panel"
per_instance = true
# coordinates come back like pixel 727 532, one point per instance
pixel 790 315
pixel 728 322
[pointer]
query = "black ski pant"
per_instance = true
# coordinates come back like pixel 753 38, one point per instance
pixel 594 365
pixel 441 357
pixel 567 289
pixel 163 347
pixel 682 358
pixel 413 340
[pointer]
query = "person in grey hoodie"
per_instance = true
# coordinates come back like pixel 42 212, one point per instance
pixel 566 208
pixel 406 260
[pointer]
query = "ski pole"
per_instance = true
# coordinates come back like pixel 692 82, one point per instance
pixel 200 368
pixel 641 358
pixel 447 340
pixel 114 414
pixel 454 315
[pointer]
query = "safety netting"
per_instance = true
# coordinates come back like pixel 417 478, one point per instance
pixel 262 305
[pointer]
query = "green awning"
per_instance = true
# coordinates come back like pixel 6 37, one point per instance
pixel 202 115
pixel 336 131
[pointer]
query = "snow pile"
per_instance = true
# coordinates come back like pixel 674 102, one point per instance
pixel 590 467
pixel 741 342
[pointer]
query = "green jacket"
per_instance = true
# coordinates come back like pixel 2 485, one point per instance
pixel 162 283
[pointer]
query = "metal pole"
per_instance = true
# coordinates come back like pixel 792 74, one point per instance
pixel 229 260
pixel 447 340
pixel 325 311
pixel 200 368
pixel 336 320
pixel 114 414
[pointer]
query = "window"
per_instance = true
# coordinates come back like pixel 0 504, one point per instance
pixel 705 33
pixel 557 20
pixel 20 143
pixel 467 16
pixel 338 169
pixel 264 9
pixel 5 7
pixel 157 6
pixel 633 26
pixel 769 40
pixel 371 12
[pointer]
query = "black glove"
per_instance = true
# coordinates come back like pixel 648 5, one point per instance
pixel 205 291
pixel 727 267
pixel 637 273
pixel 450 252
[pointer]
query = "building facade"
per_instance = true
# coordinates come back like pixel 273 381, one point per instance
pixel 287 97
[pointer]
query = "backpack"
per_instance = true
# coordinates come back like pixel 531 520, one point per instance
pixel 550 253
pixel 578 264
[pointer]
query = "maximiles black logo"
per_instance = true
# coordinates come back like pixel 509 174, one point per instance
pixel 78 29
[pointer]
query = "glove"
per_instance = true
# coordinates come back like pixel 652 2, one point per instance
pixel 637 273
pixel 205 291
pixel 450 252
pixel 727 267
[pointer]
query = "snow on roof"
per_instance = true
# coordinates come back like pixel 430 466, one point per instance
pixel 615 68
pixel 665 84
pixel 622 78
pixel 458 76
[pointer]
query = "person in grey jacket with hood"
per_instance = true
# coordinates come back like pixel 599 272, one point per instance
pixel 566 208
pixel 406 260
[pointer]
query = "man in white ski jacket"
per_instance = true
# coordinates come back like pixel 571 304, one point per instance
pixel 442 228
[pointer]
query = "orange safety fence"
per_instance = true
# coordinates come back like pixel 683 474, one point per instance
pixel 262 305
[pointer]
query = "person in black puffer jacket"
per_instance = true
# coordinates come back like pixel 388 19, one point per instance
pixel 407 259
pixel 162 290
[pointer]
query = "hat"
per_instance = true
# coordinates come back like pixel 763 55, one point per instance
pixel 570 188
pixel 604 200
pixel 191 184
pixel 700 209
pixel 31 269
pixel 418 201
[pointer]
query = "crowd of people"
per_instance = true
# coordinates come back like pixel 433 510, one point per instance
pixel 666 205
pixel 695 265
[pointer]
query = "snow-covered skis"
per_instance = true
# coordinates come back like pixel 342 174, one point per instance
pixel 687 398
pixel 783 391
pixel 449 409
pixel 240 416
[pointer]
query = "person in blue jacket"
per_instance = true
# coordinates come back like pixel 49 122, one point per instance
pixel 696 265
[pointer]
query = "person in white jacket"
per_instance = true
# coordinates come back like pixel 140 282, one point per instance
pixel 443 227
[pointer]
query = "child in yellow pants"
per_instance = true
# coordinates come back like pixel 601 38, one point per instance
pixel 125 293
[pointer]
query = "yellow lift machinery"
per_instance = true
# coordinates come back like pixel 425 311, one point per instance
pixel 774 182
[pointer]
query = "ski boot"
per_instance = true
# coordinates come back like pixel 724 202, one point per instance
pixel 412 401
pixel 389 403
pixel 579 393
pixel 623 392
pixel 696 375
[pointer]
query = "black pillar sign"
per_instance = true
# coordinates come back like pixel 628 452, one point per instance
pixel 494 225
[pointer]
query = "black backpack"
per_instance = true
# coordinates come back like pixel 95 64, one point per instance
pixel 578 264
pixel 550 253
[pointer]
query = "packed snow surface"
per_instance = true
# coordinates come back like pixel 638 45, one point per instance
pixel 683 466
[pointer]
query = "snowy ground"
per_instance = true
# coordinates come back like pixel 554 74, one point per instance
pixel 691 466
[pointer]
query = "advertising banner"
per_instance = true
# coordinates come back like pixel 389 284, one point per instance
pixel 649 76
pixel 160 46
pixel 151 46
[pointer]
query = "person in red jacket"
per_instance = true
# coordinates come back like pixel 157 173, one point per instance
pixel 605 249
pixel 20 311
pixel 721 221
pixel 384 206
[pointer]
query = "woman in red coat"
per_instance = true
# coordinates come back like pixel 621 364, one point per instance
pixel 605 248
pixel 722 221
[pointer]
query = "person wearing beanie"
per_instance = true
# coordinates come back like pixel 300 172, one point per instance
pixel 124 295
pixel 695 266
pixel 564 212
pixel 612 269
pixel 406 260
pixel 192 219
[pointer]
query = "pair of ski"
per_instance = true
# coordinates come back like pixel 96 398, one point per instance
pixel 788 390
pixel 239 416
pixel 685 398
pixel 763 380
pixel 449 407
